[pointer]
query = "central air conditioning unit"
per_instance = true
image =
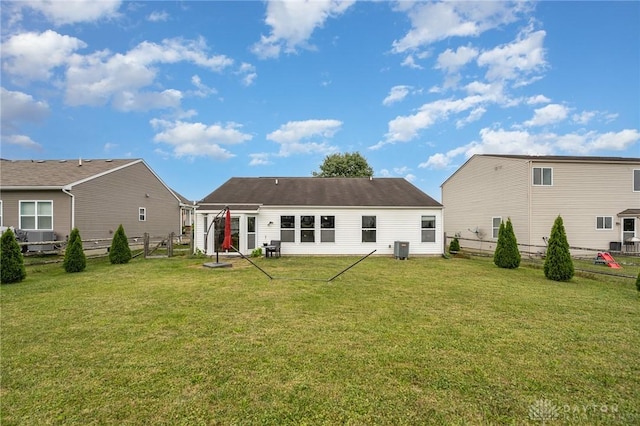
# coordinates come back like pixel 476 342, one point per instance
pixel 39 236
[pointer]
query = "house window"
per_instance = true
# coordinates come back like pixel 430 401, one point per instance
pixel 1 215
pixel 287 231
pixel 636 180
pixel 142 214
pixel 428 229
pixel 307 229
pixel 327 229
pixel 604 222
pixel 543 176
pixel 495 226
pixel 251 232
pixel 36 215
pixel 368 229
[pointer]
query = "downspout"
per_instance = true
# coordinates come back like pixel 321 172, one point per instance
pixel 73 205
pixel 529 213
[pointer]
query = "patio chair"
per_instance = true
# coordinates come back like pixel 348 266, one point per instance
pixel 273 249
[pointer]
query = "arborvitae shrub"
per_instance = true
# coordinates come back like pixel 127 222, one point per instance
pixel 558 265
pixel 74 257
pixel 638 282
pixel 119 251
pixel 12 263
pixel 507 254
pixel 455 245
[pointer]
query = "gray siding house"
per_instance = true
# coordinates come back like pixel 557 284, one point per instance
pixel 597 197
pixel 322 216
pixel 93 195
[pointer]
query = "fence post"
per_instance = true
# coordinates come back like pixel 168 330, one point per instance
pixel 146 244
pixel 170 245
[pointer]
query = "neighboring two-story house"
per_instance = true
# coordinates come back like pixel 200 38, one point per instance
pixel 50 197
pixel 598 199
pixel 328 216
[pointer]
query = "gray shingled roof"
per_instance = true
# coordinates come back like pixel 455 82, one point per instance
pixel 54 173
pixel 316 191
pixel 574 158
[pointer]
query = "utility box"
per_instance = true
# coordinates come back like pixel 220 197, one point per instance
pixel 401 249
pixel 38 237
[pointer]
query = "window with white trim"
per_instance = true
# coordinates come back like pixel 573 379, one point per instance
pixel 36 215
pixel 287 229
pixel 142 214
pixel 327 229
pixel 495 226
pixel 1 213
pixel 636 180
pixel 428 233
pixel 368 229
pixel 542 176
pixel 307 229
pixel 604 223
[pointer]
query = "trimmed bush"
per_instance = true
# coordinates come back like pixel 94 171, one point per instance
pixel 119 252
pixel 74 257
pixel 558 265
pixel 455 245
pixel 12 263
pixel 507 254
pixel 638 282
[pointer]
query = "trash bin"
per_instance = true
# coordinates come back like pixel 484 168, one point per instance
pixel 615 246
pixel 401 249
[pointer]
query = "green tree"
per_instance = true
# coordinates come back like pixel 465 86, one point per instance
pixel 12 263
pixel 119 251
pixel 638 282
pixel 344 165
pixel 507 254
pixel 454 247
pixel 558 265
pixel 74 257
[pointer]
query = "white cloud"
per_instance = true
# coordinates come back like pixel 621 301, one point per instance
pixel 475 115
pixel 158 16
pixel 22 141
pixel 19 107
pixel 590 142
pixel 549 114
pixel 411 63
pixel 248 73
pixel 516 60
pixel 451 61
pixel 304 137
pixel 538 99
pixel 33 56
pixel 293 22
pixel 102 77
pixel 434 21
pixel 202 89
pixel 396 94
pixel 584 117
pixel 260 159
pixel 199 139
pixel 69 12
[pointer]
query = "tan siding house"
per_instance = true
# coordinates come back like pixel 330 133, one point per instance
pixel 597 197
pixel 96 196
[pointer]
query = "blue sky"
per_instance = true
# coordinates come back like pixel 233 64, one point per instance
pixel 205 91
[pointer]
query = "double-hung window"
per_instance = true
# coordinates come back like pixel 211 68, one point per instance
pixel 287 229
pixel 428 229
pixel 142 214
pixel 327 229
pixel 604 223
pixel 495 226
pixel 542 176
pixel 368 229
pixel 36 215
pixel 636 180
pixel 307 229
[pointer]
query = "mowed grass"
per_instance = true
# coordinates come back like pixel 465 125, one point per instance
pixel 421 341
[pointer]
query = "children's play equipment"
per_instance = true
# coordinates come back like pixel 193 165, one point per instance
pixel 605 258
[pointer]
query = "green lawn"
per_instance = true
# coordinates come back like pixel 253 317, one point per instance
pixel 421 341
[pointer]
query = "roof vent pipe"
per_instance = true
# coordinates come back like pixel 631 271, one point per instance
pixel 79 161
pixel 276 181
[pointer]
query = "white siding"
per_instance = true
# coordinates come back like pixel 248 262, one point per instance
pixel 393 224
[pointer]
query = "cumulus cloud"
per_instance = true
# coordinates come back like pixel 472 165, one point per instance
pixel 158 16
pixel 435 21
pixel 33 56
pixel 396 94
pixel 304 137
pixel 74 11
pixel 19 108
pixel 102 77
pixel 199 139
pixel 549 114
pixel 248 73
pixel 501 141
pixel 293 22
pixel 451 61
pixel 260 159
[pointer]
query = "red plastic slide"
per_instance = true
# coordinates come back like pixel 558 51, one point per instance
pixel 609 260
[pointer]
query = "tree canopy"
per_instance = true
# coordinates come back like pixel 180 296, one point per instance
pixel 349 164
